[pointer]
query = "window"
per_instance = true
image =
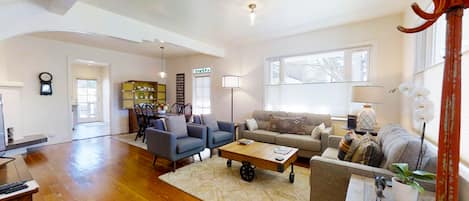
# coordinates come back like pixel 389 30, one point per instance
pixel 317 83
pixel 431 43
pixel 201 95
pixel 432 50
pixel 87 100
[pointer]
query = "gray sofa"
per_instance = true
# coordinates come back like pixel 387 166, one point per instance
pixel 330 177
pixel 307 145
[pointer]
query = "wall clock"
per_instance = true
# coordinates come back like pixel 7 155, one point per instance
pixel 45 79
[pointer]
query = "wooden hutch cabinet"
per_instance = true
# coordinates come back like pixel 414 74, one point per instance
pixel 137 92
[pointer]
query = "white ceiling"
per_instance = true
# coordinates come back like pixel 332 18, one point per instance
pixel 151 49
pixel 226 22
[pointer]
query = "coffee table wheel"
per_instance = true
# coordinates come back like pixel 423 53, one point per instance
pixel 247 171
pixel 228 163
pixel 292 177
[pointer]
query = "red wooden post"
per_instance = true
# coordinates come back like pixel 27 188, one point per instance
pixel 450 117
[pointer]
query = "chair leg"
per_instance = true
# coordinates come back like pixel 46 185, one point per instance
pixel 174 166
pixel 154 160
pixel 211 150
pixel 200 157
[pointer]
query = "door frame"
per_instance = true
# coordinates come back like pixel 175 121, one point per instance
pixel 70 61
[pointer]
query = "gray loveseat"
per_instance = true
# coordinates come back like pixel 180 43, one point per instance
pixel 330 177
pixel 307 145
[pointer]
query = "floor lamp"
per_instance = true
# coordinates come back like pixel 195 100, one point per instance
pixel 230 81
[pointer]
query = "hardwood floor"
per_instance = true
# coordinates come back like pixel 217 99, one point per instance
pixel 100 169
pixel 103 169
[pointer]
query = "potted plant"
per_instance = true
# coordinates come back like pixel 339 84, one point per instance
pixel 405 186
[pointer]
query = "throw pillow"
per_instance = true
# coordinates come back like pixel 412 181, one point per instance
pixel 293 125
pixel 345 143
pixel 210 122
pixel 316 133
pixel 251 124
pixel 368 152
pixel 177 125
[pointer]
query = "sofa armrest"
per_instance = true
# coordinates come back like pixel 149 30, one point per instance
pixel 241 128
pixel 329 178
pixel 161 143
pixel 325 137
pixel 197 131
pixel 334 141
pixel 226 126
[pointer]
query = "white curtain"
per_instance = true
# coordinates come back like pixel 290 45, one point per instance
pixel 324 98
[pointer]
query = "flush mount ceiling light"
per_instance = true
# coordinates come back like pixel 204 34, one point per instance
pixel 252 15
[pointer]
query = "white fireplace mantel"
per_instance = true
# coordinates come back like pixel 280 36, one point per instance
pixel 11 84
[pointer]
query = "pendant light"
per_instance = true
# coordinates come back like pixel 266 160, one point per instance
pixel 252 15
pixel 163 67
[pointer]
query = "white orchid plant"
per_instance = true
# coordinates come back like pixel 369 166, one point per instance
pixel 423 109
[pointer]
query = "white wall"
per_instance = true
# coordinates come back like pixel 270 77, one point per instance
pixel 248 62
pixel 25 57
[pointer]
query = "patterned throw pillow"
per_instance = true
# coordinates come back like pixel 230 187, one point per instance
pixel 294 125
pixel 368 152
pixel 345 143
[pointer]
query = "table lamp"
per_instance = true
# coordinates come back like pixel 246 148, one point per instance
pixel 366 118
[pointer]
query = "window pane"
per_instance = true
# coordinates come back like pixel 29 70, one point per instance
pixel 359 66
pixel 201 95
pixel 274 72
pixel 439 42
pixel 317 68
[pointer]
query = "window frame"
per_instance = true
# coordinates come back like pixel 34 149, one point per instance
pixel 349 50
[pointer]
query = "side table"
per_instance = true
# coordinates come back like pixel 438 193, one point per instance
pixel 362 188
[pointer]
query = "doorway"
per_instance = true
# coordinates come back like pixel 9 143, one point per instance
pixel 90 99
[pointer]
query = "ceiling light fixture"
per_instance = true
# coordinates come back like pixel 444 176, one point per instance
pixel 163 67
pixel 252 15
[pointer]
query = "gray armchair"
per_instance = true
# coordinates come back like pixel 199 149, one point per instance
pixel 219 133
pixel 172 145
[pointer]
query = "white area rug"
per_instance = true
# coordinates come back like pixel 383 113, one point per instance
pixel 213 180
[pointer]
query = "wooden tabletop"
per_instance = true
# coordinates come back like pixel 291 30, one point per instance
pixel 17 171
pixel 260 154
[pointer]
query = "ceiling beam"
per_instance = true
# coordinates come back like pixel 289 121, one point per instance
pixel 60 6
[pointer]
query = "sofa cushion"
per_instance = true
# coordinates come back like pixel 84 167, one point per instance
pixel 368 152
pixel 263 118
pixel 177 125
pixel 330 153
pixel 316 132
pixel 188 143
pixel 252 124
pixel 220 136
pixel 293 125
pixel 345 144
pixel 304 142
pixel 210 121
pixel 261 136
pixel 398 146
pixel 313 120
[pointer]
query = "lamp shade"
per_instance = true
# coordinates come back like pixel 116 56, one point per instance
pixel 230 81
pixel 368 94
